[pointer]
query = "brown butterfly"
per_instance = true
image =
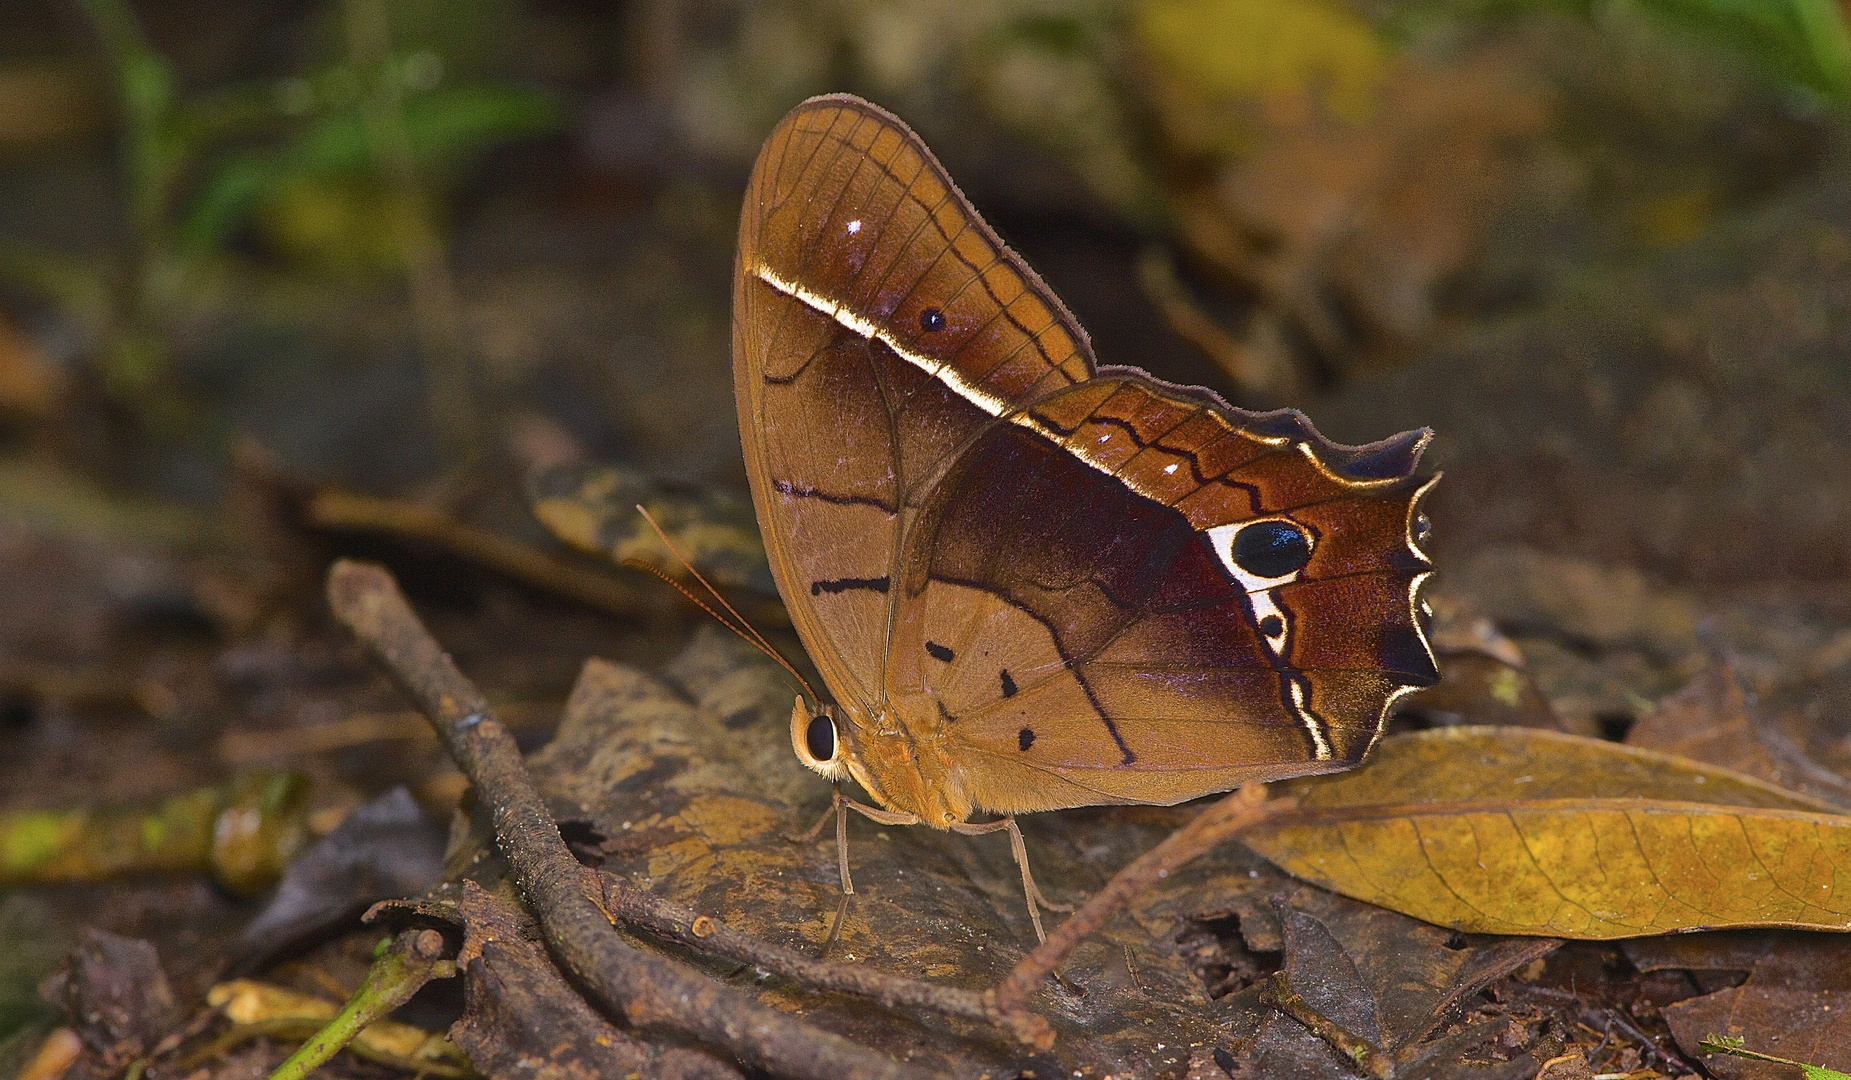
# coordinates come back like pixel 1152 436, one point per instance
pixel 1028 581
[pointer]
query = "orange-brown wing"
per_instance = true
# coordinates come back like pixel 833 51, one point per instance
pixel 878 326
pixel 1132 592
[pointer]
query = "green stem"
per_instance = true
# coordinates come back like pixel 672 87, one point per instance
pixel 400 971
pixel 434 305
pixel 1714 1044
pixel 144 89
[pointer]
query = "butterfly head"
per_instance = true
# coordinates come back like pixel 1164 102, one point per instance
pixel 888 766
pixel 816 735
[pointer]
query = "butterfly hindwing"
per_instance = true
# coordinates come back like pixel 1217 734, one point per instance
pixel 1143 670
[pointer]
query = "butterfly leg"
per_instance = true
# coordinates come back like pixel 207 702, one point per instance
pixel 885 817
pixel 840 807
pixel 815 830
pixel 1030 891
pixel 1028 879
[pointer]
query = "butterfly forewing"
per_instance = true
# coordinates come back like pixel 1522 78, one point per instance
pixel 878 326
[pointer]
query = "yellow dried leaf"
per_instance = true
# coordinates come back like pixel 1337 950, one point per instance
pixel 248 1001
pixel 1517 831
pixel 1266 48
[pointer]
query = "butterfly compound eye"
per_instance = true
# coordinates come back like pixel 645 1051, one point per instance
pixel 1271 549
pixel 820 739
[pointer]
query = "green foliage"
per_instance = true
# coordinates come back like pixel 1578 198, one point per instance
pixel 1802 44
pixel 196 167
pixel 440 128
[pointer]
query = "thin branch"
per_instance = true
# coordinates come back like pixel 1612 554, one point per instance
pixel 673 922
pixel 516 986
pixel 1210 828
pixel 649 991
pixel 334 509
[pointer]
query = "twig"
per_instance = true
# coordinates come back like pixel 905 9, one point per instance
pixel 331 509
pixel 1647 1043
pixel 515 986
pixel 650 991
pixel 1370 1059
pixel 288 744
pixel 669 920
pixel 1211 827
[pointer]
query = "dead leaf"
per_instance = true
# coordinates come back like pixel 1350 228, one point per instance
pixel 54 1057
pixel 1527 592
pixel 29 383
pixel 1710 720
pixel 1484 678
pixel 1785 959
pixel 1813 1026
pixel 43 100
pixel 1383 977
pixel 386 848
pixel 696 801
pixel 1519 831
pixel 1476 689
pixel 689 788
pixel 247 1001
pixel 1458 631
pixel 1306 163
pixel 1571 1066
pixel 593 508
pixel 115 994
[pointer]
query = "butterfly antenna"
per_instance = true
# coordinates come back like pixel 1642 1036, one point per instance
pixel 749 634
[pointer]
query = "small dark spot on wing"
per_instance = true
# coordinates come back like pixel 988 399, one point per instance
pixel 1008 684
pixel 1025 738
pixel 939 652
pixel 837 585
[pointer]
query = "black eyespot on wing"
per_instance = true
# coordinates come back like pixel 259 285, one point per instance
pixel 1423 530
pixel 1025 738
pixel 820 738
pixel 1272 626
pixel 1008 684
pixel 939 652
pixel 931 319
pixel 1271 549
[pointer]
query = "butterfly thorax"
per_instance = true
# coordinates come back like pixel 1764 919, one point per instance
pixel 901 761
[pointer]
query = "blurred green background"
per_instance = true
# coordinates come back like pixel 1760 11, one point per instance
pixel 368 231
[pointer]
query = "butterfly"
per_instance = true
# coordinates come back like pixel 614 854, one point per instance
pixel 1028 581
